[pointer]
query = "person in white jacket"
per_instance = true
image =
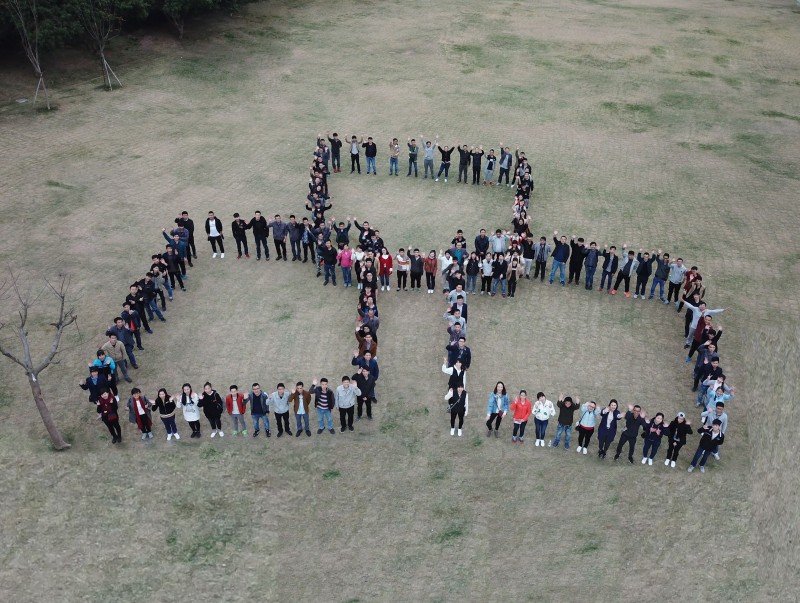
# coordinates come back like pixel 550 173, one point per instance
pixel 543 409
pixel 187 401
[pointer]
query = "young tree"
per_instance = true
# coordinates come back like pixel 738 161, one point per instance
pixel 25 15
pixel 101 20
pixel 178 11
pixel 24 356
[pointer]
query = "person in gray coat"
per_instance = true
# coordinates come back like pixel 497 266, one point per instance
pixel 280 404
pixel 345 396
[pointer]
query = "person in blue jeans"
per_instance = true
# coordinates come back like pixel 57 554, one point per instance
pixel 300 400
pixel 323 402
pixel 610 265
pixel 370 152
pixel 560 257
pixel 710 440
pixel 660 277
pixel 394 157
pixel 591 255
pixel 566 413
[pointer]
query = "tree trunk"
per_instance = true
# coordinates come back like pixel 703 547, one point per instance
pixel 106 74
pixel 55 435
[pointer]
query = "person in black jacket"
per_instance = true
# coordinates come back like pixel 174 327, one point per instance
pixel 329 255
pixel 710 438
pixel 445 166
pixel 336 150
pixel 186 222
pixel 634 422
pixel 212 405
pixel 463 162
pixel 575 260
pixel 133 322
pixel 610 265
pixel 476 155
pixel 591 255
pixel 239 229
pixel 136 300
pixel 370 152
pixel 643 272
pixel 258 224
pixel 172 260
pixel 366 385
pixel 566 415
pixel 214 232
pixel 679 428
pixel 95 383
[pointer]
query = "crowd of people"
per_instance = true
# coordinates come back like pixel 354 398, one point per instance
pixel 500 261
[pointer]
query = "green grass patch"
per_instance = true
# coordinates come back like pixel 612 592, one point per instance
pixel 658 51
pixel 388 426
pixel 699 73
pixel 61 185
pixel 209 453
pixel 780 114
pixel 331 474
pixel 588 547
pixel 450 533
pixel 722 60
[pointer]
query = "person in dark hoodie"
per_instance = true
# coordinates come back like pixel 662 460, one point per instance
pixel 643 272
pixel 610 265
pixel 560 257
pixel 710 439
pixel 591 255
pixel 366 385
pixel 107 409
pixel 653 432
pixel 566 413
pixel 607 429
pixel 95 383
pixel 239 229
pixel 260 227
pixel 679 428
pixel 634 421
pixel 463 162
pixel 575 260
pixel 212 405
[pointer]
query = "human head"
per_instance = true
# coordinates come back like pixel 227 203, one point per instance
pixel 637 410
pixel 500 388
pixel 612 405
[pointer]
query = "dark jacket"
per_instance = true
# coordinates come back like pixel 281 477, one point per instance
pixel 566 414
pixel 330 401
pixel 123 335
pixel 603 431
pixel 329 255
pixel 633 425
pixel 95 387
pixel 365 384
pixel 107 407
pixel 610 262
pixel 707 439
pixel 239 229
pixel 576 258
pixel 371 149
pixel 218 224
pixel 645 267
pixel 259 405
pixel 187 223
pixel 259 226
pixel 662 268
pixel 481 244
pixel 560 251
pixel 591 257
pixel 211 404
pixel 463 156
pixel 679 431
pixel 653 432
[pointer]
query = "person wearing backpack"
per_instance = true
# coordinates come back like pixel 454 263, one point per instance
pixel 212 405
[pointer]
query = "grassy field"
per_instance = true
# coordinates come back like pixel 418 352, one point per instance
pixel 671 125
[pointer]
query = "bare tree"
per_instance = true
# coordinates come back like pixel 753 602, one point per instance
pixel 25 14
pixel 24 357
pixel 100 19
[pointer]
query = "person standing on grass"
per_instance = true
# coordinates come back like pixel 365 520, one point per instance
pixel 679 428
pixel 431 266
pixel 125 335
pixel 566 413
pixel 417 268
pixel 496 409
pixel 107 410
pixel 135 299
pixel 279 231
pixel 215 236
pixel 165 405
pixel 280 406
pixel 716 414
pixel 355 154
pixel 186 222
pixel 189 403
pixel 365 383
pixel 385 269
pixel 186 239
pixel 513 275
pixel 212 406
pixel 236 405
pixel 413 152
pixel 607 429
pixel 172 261
pixel 139 413
pixel 445 165
pixel 676 273
pixel 463 162
pixel 260 227
pixel 626 270
pixel 323 402
pixel 345 259
pixel 329 255
pixel 560 256
pixel 488 172
pixel 336 152
pixel 610 265
pixel 541 250
pixel 180 247
pixel 345 397
pixel 403 263
pixel 259 409
pixel 692 284
pixel 575 260
pixel 521 411
pixel 653 432
pixel 300 399
pixel 643 272
pixel 371 153
pixel 296 232
pixel 591 255
pixel 95 384
pixel 476 156
pixel 117 352
pixel 711 438
pixel 394 157
pixel 505 164
pixel 660 276
pixel 543 409
pixel 499 274
pixel 458 405
pixel 586 424
pixel 427 154
pixel 635 420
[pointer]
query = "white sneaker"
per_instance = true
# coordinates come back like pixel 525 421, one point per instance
pixel 169 437
pixel 649 461
pixel 666 462
pixel 716 456
pixel 144 436
pixel 445 179
pixel 460 433
pixel 177 436
pixel 213 255
pixel 635 296
pixel 221 433
pixel 214 433
pixel 452 431
pixel 690 469
pixel 644 460
pixel 702 469
pixel 437 180
pixel 116 398
pixel 579 449
pixel 585 451
pixel 672 464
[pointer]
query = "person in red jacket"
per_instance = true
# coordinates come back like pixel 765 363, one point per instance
pixel 107 408
pixel 521 410
pixel 385 269
pixel 236 404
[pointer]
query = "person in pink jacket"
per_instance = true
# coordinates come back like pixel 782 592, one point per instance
pixel 521 410
pixel 345 259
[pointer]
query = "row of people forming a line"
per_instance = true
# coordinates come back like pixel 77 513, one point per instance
pixel 469 156
pixel 356 391
pixel 591 418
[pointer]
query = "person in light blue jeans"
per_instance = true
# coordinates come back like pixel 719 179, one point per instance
pixel 566 413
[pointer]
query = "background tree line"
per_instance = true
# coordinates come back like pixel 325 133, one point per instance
pixel 41 26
